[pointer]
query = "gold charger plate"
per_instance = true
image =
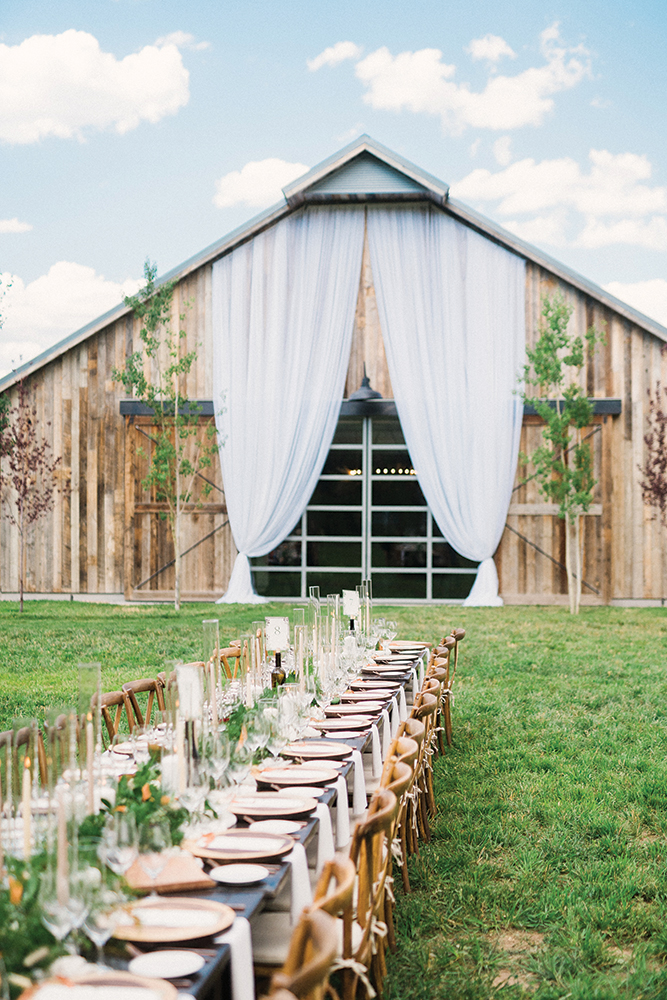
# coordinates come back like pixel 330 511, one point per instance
pixel 293 775
pixel 270 805
pixel 315 749
pixel 115 980
pixel 349 722
pixel 144 919
pixel 241 845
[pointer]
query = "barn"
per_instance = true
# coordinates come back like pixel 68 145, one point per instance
pixel 358 346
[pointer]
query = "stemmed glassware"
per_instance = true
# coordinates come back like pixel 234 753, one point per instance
pixel 54 906
pixel 154 848
pixel 119 845
pixel 102 919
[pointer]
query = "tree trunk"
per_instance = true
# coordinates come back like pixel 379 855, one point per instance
pixel 177 556
pixel 21 559
pixel 579 562
pixel 569 531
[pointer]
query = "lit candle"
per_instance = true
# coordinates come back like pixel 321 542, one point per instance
pixel 61 864
pixel 27 802
pixel 90 754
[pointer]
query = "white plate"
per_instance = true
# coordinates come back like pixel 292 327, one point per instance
pixel 312 792
pixel 239 874
pixel 346 736
pixel 164 964
pixel 280 826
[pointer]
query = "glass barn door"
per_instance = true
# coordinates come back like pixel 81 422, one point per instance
pixel 367 518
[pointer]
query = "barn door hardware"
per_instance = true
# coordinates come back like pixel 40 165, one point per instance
pixel 171 563
pixel 543 553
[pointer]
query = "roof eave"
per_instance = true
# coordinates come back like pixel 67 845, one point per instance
pixel 531 253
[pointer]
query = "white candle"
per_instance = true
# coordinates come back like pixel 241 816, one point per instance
pixel 90 754
pixel 180 753
pixel 62 879
pixel 27 802
pixel 214 693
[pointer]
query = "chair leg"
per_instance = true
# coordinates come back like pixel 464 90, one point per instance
pixel 440 724
pixel 404 849
pixel 448 722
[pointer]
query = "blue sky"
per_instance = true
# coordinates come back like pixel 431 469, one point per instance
pixel 134 128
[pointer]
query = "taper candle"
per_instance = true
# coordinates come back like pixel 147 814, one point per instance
pixel 62 873
pixel 27 808
pixel 90 754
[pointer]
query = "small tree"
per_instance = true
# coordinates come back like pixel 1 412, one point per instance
pixel 153 374
pixel 27 471
pixel 563 466
pixel 654 470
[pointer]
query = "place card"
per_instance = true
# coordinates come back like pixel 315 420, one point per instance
pixel 351 605
pixel 277 634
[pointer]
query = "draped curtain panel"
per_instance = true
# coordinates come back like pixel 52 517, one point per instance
pixel 452 312
pixel 283 313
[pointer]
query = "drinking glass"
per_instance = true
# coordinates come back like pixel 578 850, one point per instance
pixel 240 763
pixel 54 908
pixel 103 918
pixel 154 848
pixel 119 846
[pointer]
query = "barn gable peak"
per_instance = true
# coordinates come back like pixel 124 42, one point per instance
pixel 365 171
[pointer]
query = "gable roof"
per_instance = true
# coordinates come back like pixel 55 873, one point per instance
pixel 363 171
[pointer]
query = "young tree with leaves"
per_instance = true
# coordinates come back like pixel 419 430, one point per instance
pixel 27 471
pixel 153 375
pixel 563 464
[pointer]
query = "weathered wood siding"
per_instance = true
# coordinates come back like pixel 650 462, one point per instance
pixel 103 536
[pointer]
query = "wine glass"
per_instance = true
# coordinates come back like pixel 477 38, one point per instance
pixel 154 848
pixel 53 903
pixel 240 763
pixel 119 844
pixel 104 916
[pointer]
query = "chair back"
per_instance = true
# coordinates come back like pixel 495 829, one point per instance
pixel 335 886
pixel 370 850
pixel 312 950
pixel 155 688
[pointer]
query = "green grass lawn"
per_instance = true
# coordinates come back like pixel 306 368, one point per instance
pixel 546 873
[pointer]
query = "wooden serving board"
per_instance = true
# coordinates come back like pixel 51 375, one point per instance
pixel 181 874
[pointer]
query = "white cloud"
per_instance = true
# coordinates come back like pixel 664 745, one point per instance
pixel 502 150
pixel 548 228
pixel 649 233
pixel 258 184
pixel 613 186
pixel 14 226
pixel 650 297
pixel 183 40
pixel 42 312
pixel 65 85
pixel 334 55
pixel 351 133
pixel 422 83
pixel 610 203
pixel 491 48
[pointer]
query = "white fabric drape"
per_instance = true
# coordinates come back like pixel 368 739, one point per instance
pixel 451 305
pixel 283 314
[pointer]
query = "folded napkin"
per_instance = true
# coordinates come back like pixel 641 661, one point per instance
pixel 240 943
pixel 377 752
pixel 386 734
pixel 325 841
pixel 402 705
pixel 302 894
pixel 359 787
pixel 342 813
pixel 395 721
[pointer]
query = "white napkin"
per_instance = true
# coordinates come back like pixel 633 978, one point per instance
pixel 415 685
pixel 376 769
pixel 386 734
pixel 325 841
pixel 395 721
pixel 359 786
pixel 239 939
pixel 342 813
pixel 302 894
pixel 402 705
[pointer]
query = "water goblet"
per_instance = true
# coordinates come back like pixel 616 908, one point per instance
pixel 119 844
pixel 154 848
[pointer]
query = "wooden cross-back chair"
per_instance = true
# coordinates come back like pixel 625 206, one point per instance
pixel 426 711
pixel 370 850
pixel 154 686
pixel 312 951
pixel 439 669
pixel 398 777
pixel 109 701
pixel 233 653
pixel 12 740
